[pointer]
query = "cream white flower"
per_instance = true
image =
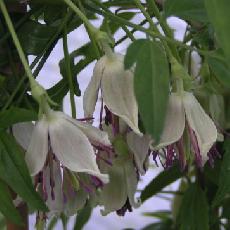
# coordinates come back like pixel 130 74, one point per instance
pixel 184 110
pixel 69 140
pixel 117 89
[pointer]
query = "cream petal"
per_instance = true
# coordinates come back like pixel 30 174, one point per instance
pixel 91 92
pixel 118 92
pixel 55 206
pixel 23 132
pixel 94 134
pixel 131 184
pixel 114 194
pixel 73 149
pixel 200 123
pixel 38 148
pixel 174 122
pixel 139 147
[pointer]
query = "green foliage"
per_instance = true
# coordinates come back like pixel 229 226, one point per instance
pixel 192 10
pixel 151 83
pixel 15 115
pixel 224 185
pixel 14 172
pixel 7 207
pixel 194 210
pixel 82 217
pixel 162 180
pixel 218 12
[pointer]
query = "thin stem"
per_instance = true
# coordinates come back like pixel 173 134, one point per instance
pixel 80 15
pixel 128 33
pixel 68 72
pixel 94 43
pixel 123 21
pixel 147 16
pixel 16 41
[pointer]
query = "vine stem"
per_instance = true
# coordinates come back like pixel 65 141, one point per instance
pixel 16 42
pixel 69 74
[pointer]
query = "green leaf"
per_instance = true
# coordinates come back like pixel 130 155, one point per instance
pixel 83 217
pixel 14 172
pixel 194 210
pixel 151 83
pixel 162 180
pixel 186 9
pixel 219 67
pixel 34 37
pixel 224 183
pixel 7 207
pixel 164 225
pixel 58 91
pixel 218 12
pixel 15 115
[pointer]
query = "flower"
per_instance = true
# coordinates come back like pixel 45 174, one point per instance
pixel 184 111
pixel 69 140
pixel 116 85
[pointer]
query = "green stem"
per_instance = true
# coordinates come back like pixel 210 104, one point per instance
pixel 16 41
pixel 123 21
pixel 69 74
pixel 94 43
pixel 80 15
pixel 147 16
pixel 128 33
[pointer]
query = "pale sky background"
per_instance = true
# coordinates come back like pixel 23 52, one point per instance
pixel 50 75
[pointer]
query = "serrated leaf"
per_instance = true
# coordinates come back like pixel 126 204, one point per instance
pixel 186 9
pixel 7 207
pixel 162 180
pixel 224 183
pixel 218 12
pixel 14 172
pixel 194 210
pixel 151 83
pixel 15 115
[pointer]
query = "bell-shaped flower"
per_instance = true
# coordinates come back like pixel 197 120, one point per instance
pixel 69 140
pixel 117 90
pixel 185 112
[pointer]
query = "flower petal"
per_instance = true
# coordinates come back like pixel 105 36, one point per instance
pixel 174 122
pixel 94 134
pixel 118 92
pixel 73 149
pixel 114 194
pixel 139 147
pixel 55 206
pixel 131 184
pixel 91 92
pixel 23 132
pixel 200 123
pixel 38 148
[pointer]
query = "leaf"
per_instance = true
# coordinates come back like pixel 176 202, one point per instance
pixel 34 37
pixel 151 83
pixel 218 12
pixel 164 225
pixel 219 67
pixel 15 115
pixel 162 180
pixel 194 210
pixel 224 183
pixel 14 172
pixel 7 207
pixel 186 9
pixel 58 91
pixel 82 217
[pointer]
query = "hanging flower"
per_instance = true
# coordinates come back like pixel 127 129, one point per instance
pixel 116 85
pixel 69 140
pixel 185 113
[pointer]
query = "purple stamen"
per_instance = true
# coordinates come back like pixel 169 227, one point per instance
pixel 170 156
pixel 97 182
pixel 125 208
pixel 212 155
pixel 181 154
